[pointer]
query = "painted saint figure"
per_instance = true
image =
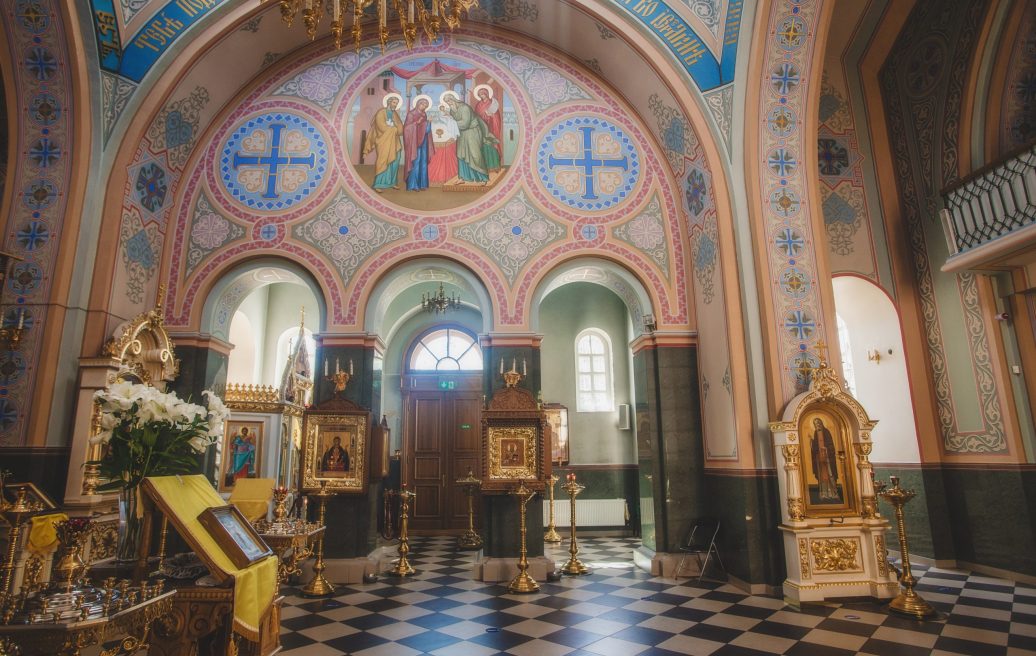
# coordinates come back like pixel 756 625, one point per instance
pixel 443 165
pixel 242 457
pixel 488 109
pixel 473 135
pixel 336 458
pixel 825 468
pixel 385 135
pixel 418 146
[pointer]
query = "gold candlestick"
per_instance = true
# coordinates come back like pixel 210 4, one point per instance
pixel 522 583
pixel 320 586
pixel 471 539
pixel 403 566
pixel 552 534
pixel 908 602
pixel 280 493
pixel 573 567
pixel 15 515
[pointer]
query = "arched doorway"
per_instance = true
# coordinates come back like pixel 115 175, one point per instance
pixel 442 401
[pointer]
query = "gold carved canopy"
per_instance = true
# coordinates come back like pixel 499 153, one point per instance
pixel 144 349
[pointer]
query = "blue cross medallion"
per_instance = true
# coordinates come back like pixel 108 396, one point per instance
pixel 273 161
pixel 588 163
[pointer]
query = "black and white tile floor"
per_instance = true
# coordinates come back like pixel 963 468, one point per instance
pixel 623 611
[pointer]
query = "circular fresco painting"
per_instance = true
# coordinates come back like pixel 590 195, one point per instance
pixel 432 134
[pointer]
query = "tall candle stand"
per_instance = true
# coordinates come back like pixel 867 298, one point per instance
pixel 908 602
pixel 471 539
pixel 320 586
pixel 552 534
pixel 403 566
pixel 15 515
pixel 522 583
pixel 573 567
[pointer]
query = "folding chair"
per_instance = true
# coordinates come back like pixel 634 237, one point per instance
pixel 701 539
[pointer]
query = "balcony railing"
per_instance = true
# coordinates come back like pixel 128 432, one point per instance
pixel 992 202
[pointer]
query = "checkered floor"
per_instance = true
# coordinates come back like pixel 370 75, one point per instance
pixel 620 610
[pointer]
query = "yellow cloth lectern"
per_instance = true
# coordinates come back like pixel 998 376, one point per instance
pixel 182 499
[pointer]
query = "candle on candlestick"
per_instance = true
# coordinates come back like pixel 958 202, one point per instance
pixel 325 366
pixel 525 371
pixel 350 366
pixel 514 364
pixel 501 365
pixel 338 364
pixel 21 318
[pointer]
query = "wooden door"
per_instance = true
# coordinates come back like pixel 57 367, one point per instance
pixel 441 443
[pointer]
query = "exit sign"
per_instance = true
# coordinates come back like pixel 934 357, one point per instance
pixel 447 384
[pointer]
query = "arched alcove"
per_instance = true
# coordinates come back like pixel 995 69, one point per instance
pixel 619 280
pixel 237 283
pixel 877 357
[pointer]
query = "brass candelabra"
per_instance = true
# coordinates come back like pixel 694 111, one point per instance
pixel 15 515
pixel 320 586
pixel 522 583
pixel 280 494
pixel 907 602
pixel 403 566
pixel 552 536
pixel 471 539
pixel 573 567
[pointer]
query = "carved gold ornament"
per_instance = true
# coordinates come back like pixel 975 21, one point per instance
pixel 498 466
pixel 795 511
pixel 869 508
pixel 791 454
pixel 835 554
pixel 803 558
pixel 882 554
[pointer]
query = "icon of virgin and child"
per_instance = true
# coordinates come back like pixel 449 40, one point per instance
pixel 334 463
pixel 454 142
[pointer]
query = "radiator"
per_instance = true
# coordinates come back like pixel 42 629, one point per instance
pixel 589 512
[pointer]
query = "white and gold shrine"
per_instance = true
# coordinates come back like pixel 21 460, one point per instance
pixel 834 538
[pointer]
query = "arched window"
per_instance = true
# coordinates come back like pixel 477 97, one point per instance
pixel 446 349
pixel 847 355
pixel 594 388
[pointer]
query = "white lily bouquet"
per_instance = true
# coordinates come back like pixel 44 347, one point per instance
pixel 151 433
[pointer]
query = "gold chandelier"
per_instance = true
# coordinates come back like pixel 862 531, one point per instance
pixel 439 302
pixel 428 16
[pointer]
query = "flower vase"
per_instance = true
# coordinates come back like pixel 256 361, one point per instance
pixel 131 526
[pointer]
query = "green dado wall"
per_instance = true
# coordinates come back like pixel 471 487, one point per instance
pixel 604 482
pixel 974 514
pixel 747 504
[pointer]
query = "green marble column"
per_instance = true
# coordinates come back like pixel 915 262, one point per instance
pixel 203 366
pixel 349 517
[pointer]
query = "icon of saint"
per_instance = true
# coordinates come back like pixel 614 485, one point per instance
pixel 418 145
pixel 825 467
pixel 335 459
pixel 385 137
pixel 242 457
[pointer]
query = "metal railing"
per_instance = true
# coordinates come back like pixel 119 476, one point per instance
pixel 991 202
